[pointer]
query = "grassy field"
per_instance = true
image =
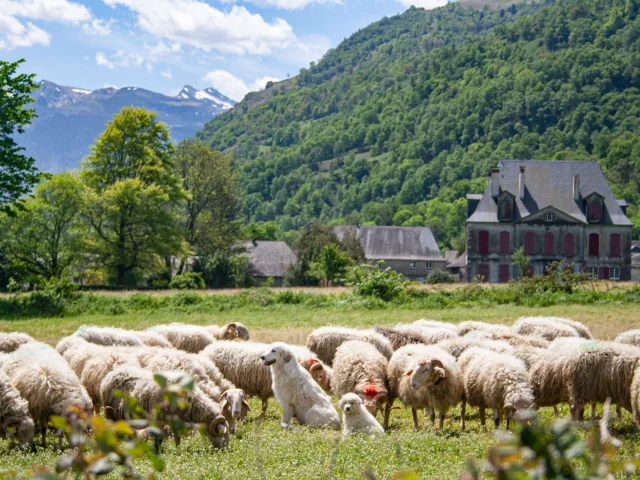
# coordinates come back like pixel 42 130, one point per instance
pixel 262 450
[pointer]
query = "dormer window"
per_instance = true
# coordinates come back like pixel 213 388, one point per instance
pixel 549 217
pixel 505 208
pixel 594 209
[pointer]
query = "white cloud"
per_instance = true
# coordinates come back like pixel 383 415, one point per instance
pixel 62 11
pixel 288 4
pixel 234 87
pixel 15 34
pixel 101 59
pixel 198 24
pixel 167 74
pixel 101 28
pixel 426 4
pixel 122 59
pixel 163 49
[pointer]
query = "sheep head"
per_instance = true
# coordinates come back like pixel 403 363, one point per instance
pixel 373 396
pixel 217 431
pixel 23 429
pixel 320 374
pixel 427 373
pixel 231 332
pixel 234 403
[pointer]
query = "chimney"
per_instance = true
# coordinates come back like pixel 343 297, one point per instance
pixel 495 182
pixel 576 188
pixel 521 183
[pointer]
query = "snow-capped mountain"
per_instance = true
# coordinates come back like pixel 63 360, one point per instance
pixel 70 118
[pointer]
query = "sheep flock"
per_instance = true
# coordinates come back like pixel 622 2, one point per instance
pixel 427 365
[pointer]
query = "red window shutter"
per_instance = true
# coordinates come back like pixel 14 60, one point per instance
pixel 529 245
pixel 603 273
pixel 614 245
pixel 569 245
pixel 505 243
pixel 504 273
pixel 549 247
pixel 595 210
pixel 530 271
pixel 594 244
pixel 483 272
pixel 483 242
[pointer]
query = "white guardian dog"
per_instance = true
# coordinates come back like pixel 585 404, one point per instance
pixel 298 393
pixel 356 417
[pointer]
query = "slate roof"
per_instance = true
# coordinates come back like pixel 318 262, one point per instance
pixel 460 262
pixel 550 184
pixel 394 243
pixel 635 246
pixel 450 256
pixel 269 259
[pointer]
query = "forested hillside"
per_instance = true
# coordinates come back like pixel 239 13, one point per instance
pixel 408 115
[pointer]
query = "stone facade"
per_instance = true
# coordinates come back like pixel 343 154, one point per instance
pixel 417 270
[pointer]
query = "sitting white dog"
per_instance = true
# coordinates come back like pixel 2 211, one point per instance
pixel 356 417
pixel 296 390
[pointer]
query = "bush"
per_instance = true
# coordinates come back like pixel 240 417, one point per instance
pixel 188 281
pixel 440 276
pixel 384 284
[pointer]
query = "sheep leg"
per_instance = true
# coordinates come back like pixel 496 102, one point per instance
pixel 593 411
pixel 387 412
pixel 414 412
pixel 265 404
pixel 432 417
pixel 441 421
pixel 496 417
pixel 483 420
pixel 43 431
pixel 508 419
pixel 463 408
pixel 555 411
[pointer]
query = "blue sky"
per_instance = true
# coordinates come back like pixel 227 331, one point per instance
pixel 233 45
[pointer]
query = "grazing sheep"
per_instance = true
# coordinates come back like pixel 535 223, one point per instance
pixel 429 335
pixel 234 406
pixel 230 331
pixel 635 398
pixel 630 337
pixel 11 341
pixel 190 338
pixel 320 372
pixel 299 395
pixel 496 381
pixel 69 342
pixel 45 381
pixel 152 339
pixel 403 361
pixel 14 412
pixel 360 368
pixel 439 374
pixel 545 327
pixel 141 385
pixel 399 338
pixel 456 346
pixel 423 322
pixel 595 371
pixel 581 328
pixel 325 341
pixel 355 417
pixel 509 336
pixel 108 336
pixel 464 328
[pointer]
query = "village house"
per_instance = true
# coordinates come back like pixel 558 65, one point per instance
pixel 411 251
pixel 269 260
pixel 556 210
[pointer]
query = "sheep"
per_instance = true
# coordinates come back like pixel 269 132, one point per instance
pixel 355 417
pixel 630 337
pixel 429 335
pixel 360 368
pixel 230 331
pixel 141 385
pixel 69 342
pixel 544 327
pixel 595 371
pixel 320 372
pixel 299 395
pixel 581 328
pixel 152 339
pixel 399 338
pixel 456 346
pixel 46 382
pixel 509 336
pixel 423 322
pixel 325 341
pixel 11 341
pixel 464 328
pixel 190 338
pixel 635 398
pixel 108 336
pixel 496 381
pixel 439 374
pixel 403 361
pixel 14 412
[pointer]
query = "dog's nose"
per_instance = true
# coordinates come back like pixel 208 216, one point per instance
pixel 348 408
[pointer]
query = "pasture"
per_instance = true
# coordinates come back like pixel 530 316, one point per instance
pixel 262 450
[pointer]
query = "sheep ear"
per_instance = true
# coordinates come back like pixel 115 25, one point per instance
pixel 441 372
pixel 409 373
pixel 245 404
pixel 224 403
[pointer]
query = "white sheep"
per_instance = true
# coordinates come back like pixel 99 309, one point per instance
pixel 140 384
pixel 324 341
pixel 546 327
pixel 430 335
pixel 464 328
pixel 496 381
pixel 14 412
pixel 360 368
pixel 456 346
pixel 299 395
pixel 630 337
pixel 46 382
pixel 190 338
pixel 355 417
pixel 12 340
pixel 399 339
pixel 230 331
pixel 108 336
pixel 423 322
pixel 508 335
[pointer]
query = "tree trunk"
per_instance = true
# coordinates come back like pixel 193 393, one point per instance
pixel 121 268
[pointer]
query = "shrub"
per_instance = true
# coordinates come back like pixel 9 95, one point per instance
pixel 440 276
pixel 187 281
pixel 384 284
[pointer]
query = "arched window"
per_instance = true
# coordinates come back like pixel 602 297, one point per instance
pixel 594 245
pixel 569 245
pixel 483 272
pixel 529 244
pixel 614 245
pixel 505 243
pixel 549 243
pixel 483 242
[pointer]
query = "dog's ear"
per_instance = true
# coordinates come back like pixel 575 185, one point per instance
pixel 341 403
pixel 286 356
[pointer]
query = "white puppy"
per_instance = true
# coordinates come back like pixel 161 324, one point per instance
pixel 300 396
pixel 356 417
